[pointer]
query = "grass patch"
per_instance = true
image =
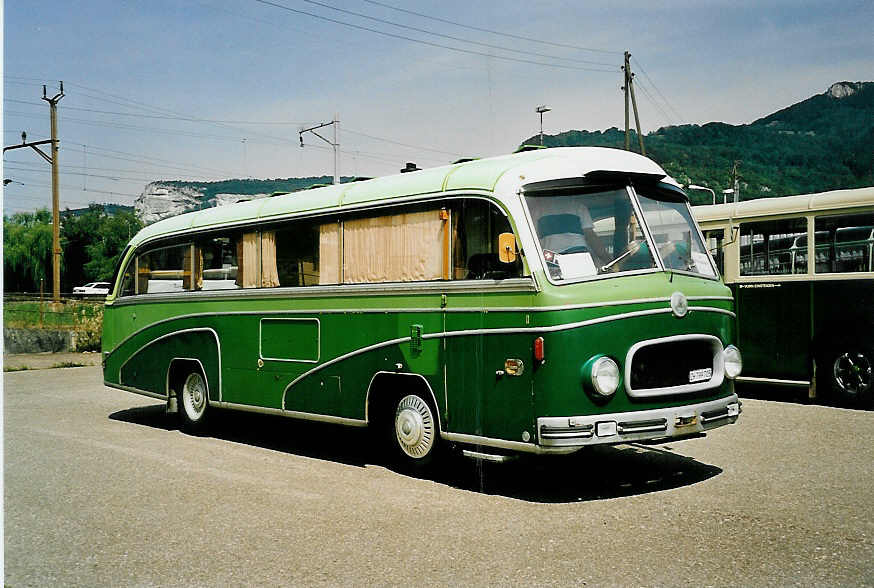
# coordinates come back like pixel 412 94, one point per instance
pixel 17 368
pixel 83 316
pixel 66 364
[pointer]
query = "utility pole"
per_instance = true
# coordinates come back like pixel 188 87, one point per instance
pixel 735 181
pixel 628 88
pixel 56 198
pixel 335 143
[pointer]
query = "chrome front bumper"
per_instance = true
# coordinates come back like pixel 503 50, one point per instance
pixel 643 425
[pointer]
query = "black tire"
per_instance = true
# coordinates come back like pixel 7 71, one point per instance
pixel 850 374
pixel 193 402
pixel 412 433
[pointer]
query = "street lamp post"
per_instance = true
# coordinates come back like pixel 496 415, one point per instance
pixel 696 187
pixel 540 110
pixel 727 192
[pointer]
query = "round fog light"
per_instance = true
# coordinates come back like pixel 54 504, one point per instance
pixel 605 376
pixel 733 362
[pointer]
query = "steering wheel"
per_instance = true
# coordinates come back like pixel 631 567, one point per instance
pixel 574 249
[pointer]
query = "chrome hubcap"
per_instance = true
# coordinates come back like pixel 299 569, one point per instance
pixel 194 396
pixel 414 427
pixel 853 372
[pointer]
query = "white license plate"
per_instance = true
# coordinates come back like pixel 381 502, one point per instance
pixel 701 375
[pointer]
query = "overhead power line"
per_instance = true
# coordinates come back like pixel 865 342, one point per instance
pixel 656 88
pixel 429 43
pixel 453 38
pixel 493 32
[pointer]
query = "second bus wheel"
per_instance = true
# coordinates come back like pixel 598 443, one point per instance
pixel 413 433
pixel 851 377
pixel 193 402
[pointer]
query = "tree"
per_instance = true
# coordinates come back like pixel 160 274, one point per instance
pixel 27 250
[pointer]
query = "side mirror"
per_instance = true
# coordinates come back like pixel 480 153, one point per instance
pixel 507 248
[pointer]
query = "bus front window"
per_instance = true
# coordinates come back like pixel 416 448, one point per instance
pixel 585 234
pixel 675 235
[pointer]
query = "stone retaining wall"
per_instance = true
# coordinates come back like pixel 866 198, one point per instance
pixel 37 340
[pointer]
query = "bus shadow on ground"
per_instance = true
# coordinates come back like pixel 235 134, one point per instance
pixel 594 473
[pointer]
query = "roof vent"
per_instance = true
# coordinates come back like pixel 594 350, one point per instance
pixel 410 167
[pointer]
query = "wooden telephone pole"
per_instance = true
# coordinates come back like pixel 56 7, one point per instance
pixel 628 88
pixel 56 198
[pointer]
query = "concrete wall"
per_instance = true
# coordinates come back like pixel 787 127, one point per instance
pixel 37 340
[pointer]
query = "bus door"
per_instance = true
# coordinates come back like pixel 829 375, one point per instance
pixel 488 372
pixel 488 376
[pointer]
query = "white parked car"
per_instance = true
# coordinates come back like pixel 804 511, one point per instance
pixel 93 288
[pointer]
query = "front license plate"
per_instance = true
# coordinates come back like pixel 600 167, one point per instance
pixel 701 375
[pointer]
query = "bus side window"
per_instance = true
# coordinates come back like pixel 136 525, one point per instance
pixel 127 278
pixel 476 226
pixel 162 270
pixel 844 243
pixel 293 250
pixel 714 240
pixel 777 247
pixel 218 267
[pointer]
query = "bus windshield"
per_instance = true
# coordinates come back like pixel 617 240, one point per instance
pixel 675 235
pixel 584 234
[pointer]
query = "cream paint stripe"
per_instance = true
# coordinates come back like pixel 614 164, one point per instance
pixel 269 313
pixel 504 331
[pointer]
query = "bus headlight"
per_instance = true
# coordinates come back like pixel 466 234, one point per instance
pixel 601 374
pixel 733 362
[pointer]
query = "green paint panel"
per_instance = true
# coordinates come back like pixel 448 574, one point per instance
pixel 291 339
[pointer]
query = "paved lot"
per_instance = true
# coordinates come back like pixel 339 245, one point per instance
pixel 101 489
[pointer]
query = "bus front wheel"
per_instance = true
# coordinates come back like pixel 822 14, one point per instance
pixel 193 403
pixel 851 377
pixel 413 433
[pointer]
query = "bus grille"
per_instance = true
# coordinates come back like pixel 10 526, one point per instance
pixel 675 366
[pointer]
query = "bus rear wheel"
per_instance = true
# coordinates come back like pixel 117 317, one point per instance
pixel 193 403
pixel 413 432
pixel 852 378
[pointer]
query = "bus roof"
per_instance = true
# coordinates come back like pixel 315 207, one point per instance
pixel 835 199
pixel 477 175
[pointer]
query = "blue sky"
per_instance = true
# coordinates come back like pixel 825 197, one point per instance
pixel 131 68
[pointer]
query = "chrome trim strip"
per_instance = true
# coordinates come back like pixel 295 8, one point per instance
pixel 500 331
pixel 434 309
pixel 669 414
pixel 318 340
pixel 214 334
pixel 387 289
pixel 753 380
pixel 504 444
pixel 134 390
pixel 341 358
pixel 308 416
pixel 713 309
pixel 716 378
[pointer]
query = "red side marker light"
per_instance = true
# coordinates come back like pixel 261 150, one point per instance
pixel 538 350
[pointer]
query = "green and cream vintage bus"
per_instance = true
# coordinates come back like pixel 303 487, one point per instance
pixel 802 324
pixel 538 302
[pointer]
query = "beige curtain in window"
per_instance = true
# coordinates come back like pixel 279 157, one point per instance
pixel 269 272
pixel 198 269
pixel 143 274
pixel 329 254
pixel 396 248
pixel 247 261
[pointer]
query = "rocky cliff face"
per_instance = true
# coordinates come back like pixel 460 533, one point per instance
pixel 843 89
pixel 160 200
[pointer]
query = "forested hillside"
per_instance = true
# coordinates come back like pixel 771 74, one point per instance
pixel 823 143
